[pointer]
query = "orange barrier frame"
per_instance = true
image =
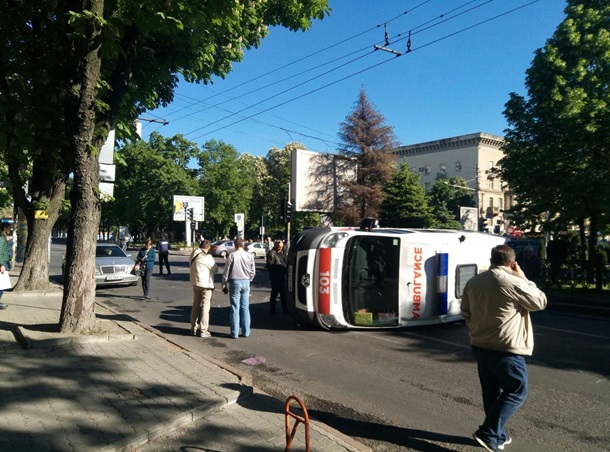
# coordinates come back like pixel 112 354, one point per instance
pixel 304 419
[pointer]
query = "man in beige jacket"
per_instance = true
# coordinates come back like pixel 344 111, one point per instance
pixel 496 305
pixel 202 269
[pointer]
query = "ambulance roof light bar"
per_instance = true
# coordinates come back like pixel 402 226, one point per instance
pixel 368 224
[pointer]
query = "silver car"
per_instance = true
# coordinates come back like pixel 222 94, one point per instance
pixel 257 249
pixel 222 248
pixel 113 266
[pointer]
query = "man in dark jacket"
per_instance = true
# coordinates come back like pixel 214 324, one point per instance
pixel 163 248
pixel 276 263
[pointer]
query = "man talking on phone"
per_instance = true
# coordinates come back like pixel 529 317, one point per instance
pixel 496 305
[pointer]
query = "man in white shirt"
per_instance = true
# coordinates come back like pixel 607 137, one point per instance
pixel 202 269
pixel 238 273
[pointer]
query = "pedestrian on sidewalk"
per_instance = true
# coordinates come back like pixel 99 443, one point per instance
pixel 163 247
pixel 146 259
pixel 5 257
pixel 496 305
pixel 202 269
pixel 238 273
pixel 276 263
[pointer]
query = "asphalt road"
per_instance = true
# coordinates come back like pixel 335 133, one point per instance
pixel 409 389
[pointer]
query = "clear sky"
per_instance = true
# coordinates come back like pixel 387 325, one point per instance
pixel 466 57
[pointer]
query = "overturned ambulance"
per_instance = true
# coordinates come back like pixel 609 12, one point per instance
pixel 382 278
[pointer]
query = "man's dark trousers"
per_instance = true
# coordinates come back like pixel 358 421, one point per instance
pixel 278 286
pixel 164 258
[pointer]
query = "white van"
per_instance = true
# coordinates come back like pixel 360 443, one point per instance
pixel 384 278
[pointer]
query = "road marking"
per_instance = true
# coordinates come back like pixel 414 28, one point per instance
pixel 418 336
pixel 597 336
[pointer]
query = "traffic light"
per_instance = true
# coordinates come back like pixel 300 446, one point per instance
pixel 189 214
pixel 288 212
pixel 283 204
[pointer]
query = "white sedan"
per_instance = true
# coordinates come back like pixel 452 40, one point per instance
pixel 257 249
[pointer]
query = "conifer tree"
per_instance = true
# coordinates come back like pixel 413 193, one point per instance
pixel 366 162
pixel 405 204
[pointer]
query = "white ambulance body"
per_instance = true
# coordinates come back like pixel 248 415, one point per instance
pixel 384 278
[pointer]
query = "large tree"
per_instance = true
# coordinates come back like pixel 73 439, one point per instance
pixel 405 204
pixel 558 140
pixel 71 71
pixel 366 151
pixel 150 175
pixel 446 197
pixel 226 182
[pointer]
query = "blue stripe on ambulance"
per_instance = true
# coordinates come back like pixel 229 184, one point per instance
pixel 441 282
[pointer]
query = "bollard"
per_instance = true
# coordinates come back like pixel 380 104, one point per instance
pixel 305 420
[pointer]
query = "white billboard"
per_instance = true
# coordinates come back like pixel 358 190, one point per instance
pixel 469 219
pixel 316 178
pixel 181 203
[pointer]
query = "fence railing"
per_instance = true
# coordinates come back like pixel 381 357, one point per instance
pixel 571 276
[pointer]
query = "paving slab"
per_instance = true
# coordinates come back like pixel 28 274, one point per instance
pixel 125 388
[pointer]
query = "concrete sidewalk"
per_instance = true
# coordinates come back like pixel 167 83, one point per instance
pixel 125 388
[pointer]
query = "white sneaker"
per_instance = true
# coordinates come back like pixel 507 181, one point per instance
pixel 204 334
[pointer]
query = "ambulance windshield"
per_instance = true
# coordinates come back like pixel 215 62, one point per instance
pixel 370 280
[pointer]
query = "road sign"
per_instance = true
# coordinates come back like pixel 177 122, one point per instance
pixel 182 203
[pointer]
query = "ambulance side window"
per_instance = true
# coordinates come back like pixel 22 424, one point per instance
pixel 462 274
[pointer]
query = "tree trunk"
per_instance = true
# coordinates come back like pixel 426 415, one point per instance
pixel 78 306
pixel 593 276
pixel 35 271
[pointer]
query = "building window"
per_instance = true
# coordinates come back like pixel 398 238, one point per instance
pixel 442 170
pixel 490 184
pixel 458 167
pixel 491 202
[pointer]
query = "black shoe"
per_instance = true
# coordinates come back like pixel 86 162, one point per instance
pixel 3 306
pixel 488 446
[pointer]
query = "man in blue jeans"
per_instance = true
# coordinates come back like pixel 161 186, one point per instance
pixel 496 305
pixel 239 271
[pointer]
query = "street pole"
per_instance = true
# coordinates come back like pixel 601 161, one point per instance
pixel 186 224
pixel 288 223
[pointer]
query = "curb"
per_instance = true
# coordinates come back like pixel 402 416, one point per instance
pixel 164 428
pixel 244 379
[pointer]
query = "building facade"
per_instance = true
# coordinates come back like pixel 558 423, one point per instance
pixel 473 157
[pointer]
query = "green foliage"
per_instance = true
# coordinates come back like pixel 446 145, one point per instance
pixel 446 197
pixel 559 136
pixel 558 142
pixel 226 181
pixel 152 174
pixel 5 188
pixel 405 204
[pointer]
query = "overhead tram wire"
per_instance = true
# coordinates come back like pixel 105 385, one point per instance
pixel 326 141
pixel 305 57
pixel 308 70
pixel 308 56
pixel 280 93
pixel 371 67
pixel 325 73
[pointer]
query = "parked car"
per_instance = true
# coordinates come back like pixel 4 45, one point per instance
pixel 222 248
pixel 112 266
pixel 257 249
